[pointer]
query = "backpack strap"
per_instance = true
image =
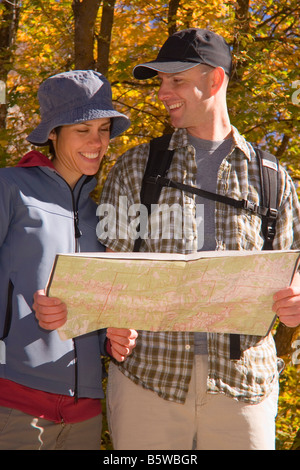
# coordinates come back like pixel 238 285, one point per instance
pixel 158 164
pixel 269 175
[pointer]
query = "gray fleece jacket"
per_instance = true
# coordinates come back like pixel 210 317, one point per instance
pixel 41 216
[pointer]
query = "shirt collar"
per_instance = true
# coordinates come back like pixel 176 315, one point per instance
pixel 180 139
pixel 240 142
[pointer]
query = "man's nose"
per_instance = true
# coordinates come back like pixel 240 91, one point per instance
pixel 164 91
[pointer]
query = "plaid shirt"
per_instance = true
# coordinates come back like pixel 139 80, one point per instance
pixel 163 361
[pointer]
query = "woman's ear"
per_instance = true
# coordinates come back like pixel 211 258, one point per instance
pixel 53 135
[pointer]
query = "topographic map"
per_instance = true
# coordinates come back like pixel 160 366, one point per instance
pixel 224 292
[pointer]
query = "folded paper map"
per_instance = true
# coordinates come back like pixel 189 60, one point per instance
pixel 224 292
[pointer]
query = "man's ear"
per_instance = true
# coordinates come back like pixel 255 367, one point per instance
pixel 218 79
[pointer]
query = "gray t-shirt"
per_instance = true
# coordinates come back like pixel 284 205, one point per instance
pixel 209 155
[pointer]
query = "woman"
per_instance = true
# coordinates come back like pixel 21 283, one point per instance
pixel 50 389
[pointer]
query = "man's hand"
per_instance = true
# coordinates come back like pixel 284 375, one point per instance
pixel 122 341
pixel 50 312
pixel 287 304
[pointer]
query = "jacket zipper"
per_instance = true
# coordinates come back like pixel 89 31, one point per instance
pixel 77 231
pixel 78 234
pixel 75 212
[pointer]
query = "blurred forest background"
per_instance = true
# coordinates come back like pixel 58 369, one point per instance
pixel 40 38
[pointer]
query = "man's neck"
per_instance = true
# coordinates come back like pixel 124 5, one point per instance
pixel 217 128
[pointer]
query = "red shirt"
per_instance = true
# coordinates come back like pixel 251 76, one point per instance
pixel 50 406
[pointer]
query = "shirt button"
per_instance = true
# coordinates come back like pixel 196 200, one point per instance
pixel 187 347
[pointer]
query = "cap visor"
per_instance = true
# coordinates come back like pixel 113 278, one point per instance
pixel 150 69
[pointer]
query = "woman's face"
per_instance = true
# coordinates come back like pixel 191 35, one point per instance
pixel 79 148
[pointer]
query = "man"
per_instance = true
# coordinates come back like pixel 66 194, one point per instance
pixel 180 390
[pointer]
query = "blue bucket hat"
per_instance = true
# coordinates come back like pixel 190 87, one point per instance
pixel 74 97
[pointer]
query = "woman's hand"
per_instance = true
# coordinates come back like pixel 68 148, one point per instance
pixel 50 312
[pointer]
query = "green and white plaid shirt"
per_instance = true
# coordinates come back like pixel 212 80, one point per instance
pixel 163 361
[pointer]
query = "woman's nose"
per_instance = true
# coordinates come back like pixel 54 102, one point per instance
pixel 96 139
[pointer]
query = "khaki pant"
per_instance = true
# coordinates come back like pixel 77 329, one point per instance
pixel 139 419
pixel 20 431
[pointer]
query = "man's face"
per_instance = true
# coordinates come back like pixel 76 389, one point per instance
pixel 186 96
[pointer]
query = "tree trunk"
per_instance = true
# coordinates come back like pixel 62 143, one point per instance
pixel 8 29
pixel 283 146
pixel 172 14
pixel 104 37
pixel 241 27
pixel 296 444
pixel 284 337
pixel 242 14
pixel 85 14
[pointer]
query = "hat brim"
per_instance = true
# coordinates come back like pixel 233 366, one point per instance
pixel 150 69
pixel 40 135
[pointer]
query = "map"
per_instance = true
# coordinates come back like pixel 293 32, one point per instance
pixel 224 292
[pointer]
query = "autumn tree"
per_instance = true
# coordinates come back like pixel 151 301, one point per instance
pixel 85 15
pixel 9 18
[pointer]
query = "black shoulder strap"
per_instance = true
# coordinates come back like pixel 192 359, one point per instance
pixel 158 164
pixel 269 174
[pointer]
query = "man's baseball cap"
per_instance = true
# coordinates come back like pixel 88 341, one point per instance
pixel 186 49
